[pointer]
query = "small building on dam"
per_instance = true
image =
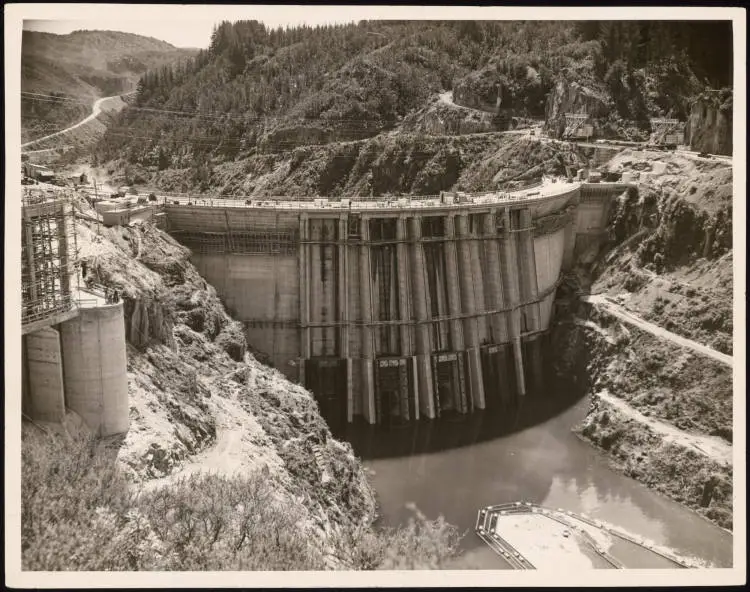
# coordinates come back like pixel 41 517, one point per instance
pixel 398 309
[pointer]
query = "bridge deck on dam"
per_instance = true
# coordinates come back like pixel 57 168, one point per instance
pixel 401 309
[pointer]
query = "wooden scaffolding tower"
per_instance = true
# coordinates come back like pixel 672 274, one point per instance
pixel 573 124
pixel 666 130
pixel 48 258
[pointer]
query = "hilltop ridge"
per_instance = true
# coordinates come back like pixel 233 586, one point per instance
pixel 61 75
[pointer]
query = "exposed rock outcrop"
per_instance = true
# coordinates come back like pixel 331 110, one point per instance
pixel 439 118
pixel 709 126
pixel 572 97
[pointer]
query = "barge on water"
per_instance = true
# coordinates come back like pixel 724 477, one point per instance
pixel 529 536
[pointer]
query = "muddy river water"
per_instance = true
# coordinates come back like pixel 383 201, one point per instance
pixel 453 468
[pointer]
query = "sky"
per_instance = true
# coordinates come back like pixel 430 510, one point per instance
pixel 193 28
pixel 191 25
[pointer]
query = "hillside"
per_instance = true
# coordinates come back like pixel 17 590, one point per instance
pixel 662 413
pixel 384 165
pixel 263 90
pixel 72 70
pixel 215 435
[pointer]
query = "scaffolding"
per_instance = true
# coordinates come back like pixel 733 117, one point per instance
pixel 48 258
pixel 282 242
pixel 577 125
pixel 667 131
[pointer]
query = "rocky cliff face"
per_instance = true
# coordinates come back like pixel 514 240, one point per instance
pixel 709 126
pixel 438 118
pixel 405 163
pixel 572 97
pixel 470 95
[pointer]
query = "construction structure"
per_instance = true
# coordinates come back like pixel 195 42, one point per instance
pixel 47 259
pixel 37 172
pixel 528 536
pixel 395 310
pixel 667 132
pixel 73 341
pixel 122 211
pixel 578 126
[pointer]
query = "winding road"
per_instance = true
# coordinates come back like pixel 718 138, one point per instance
pixel 98 106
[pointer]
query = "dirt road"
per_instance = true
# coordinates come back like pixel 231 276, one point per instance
pixel 113 103
pixel 711 446
pixel 628 317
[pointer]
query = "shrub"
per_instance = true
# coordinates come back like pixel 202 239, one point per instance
pixel 79 513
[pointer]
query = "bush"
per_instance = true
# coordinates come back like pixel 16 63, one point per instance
pixel 79 513
pixel 421 544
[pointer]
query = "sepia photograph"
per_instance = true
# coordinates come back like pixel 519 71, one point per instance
pixel 374 295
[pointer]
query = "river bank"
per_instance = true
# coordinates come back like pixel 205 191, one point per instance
pixel 650 415
pixel 454 468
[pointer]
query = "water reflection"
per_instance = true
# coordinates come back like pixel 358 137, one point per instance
pixel 454 468
pixel 446 433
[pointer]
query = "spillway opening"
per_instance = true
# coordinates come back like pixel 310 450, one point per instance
pixel 500 388
pixel 394 385
pixel 450 380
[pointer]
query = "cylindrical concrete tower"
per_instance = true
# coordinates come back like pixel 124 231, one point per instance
pixel 95 368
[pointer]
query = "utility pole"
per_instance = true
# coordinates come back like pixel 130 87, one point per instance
pixel 96 200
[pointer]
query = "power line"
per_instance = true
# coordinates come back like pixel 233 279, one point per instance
pixel 215 115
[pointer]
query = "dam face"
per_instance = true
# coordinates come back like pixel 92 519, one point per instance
pixel 393 311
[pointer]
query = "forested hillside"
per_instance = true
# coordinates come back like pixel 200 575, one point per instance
pixel 258 90
pixel 61 75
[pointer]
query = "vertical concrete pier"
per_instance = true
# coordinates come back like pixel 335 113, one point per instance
pixel 510 277
pixel 368 378
pixel 477 251
pixel 422 308
pixel 45 399
pixel 528 274
pixel 454 300
pixel 468 300
pixel 404 304
pixel 95 368
pixel 495 273
pixel 343 308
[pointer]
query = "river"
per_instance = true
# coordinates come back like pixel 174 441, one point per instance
pixel 454 468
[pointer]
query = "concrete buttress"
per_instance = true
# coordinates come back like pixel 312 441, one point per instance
pixel 404 300
pixel 454 295
pixel 424 342
pixel 368 378
pixel 510 275
pixel 468 298
pixel 343 306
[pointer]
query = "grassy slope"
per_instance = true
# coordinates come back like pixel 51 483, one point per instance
pixel 82 65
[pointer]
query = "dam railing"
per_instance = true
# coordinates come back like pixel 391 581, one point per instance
pixel 447 200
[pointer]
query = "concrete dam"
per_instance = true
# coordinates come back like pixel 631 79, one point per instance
pixel 396 309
